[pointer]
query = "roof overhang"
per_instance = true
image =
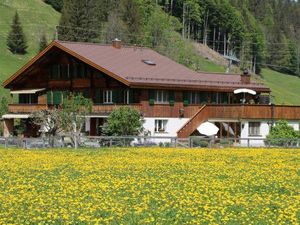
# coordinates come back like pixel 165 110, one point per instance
pixel 15 116
pixel 64 49
pixel 224 88
pixel 31 91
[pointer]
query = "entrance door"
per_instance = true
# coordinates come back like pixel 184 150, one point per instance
pixel 97 126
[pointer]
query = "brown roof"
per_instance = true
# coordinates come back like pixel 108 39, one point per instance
pixel 127 65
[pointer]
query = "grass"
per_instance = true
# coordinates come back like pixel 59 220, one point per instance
pixel 208 66
pixel 149 186
pixel 285 88
pixel 36 18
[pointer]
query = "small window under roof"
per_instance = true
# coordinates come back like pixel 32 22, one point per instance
pixel 149 62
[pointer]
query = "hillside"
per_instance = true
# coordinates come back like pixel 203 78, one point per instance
pixel 36 18
pixel 285 88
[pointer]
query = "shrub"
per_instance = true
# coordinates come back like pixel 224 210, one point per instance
pixel 198 142
pixel 282 134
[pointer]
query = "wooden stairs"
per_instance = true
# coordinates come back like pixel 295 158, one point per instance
pixel 190 126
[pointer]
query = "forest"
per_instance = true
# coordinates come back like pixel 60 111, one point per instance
pixel 260 33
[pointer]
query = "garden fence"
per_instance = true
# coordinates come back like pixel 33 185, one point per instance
pixel 146 141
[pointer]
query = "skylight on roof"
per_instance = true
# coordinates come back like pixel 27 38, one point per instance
pixel 149 62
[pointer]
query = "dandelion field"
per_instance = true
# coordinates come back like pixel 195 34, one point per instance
pixel 150 186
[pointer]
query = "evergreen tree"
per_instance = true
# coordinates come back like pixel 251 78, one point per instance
pixel 16 41
pixel 56 4
pixel 80 20
pixel 43 42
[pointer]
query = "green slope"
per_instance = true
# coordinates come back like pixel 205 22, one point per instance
pixel 285 88
pixel 36 18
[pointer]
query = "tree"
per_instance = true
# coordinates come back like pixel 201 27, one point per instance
pixel 16 41
pixel 3 106
pixel 73 115
pixel 56 4
pixel 43 42
pixel 80 20
pixel 282 134
pixel 49 122
pixel 3 110
pixel 116 28
pixel 123 121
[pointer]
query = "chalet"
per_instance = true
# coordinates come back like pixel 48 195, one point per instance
pixel 173 99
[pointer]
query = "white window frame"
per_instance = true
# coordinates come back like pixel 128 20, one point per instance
pixel 254 130
pixel 126 97
pixel 161 97
pixel 160 126
pixel 107 97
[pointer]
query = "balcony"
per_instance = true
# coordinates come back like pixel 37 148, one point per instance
pixel 239 112
pixel 26 108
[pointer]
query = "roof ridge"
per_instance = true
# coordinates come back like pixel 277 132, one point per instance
pixel 100 44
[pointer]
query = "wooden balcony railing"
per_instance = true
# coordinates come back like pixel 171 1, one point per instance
pixel 26 108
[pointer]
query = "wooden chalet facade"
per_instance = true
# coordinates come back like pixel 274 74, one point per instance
pixel 173 99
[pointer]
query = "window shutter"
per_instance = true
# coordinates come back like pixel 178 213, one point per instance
pixel 214 99
pixel 65 94
pixel 225 98
pixel 21 99
pixel 131 96
pixel 55 71
pixel 171 97
pixel 49 98
pixel 117 96
pixel 57 97
pixel 86 94
pixel 114 96
pixel 151 97
pixel 203 97
pixel 186 100
pixel 99 96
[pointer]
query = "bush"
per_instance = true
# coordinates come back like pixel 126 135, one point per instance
pixel 198 142
pixel 226 142
pixel 123 121
pixel 282 135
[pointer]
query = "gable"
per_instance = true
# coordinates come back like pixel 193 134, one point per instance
pixel 34 67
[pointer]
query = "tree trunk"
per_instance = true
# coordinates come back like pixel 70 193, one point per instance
pixel 183 20
pixel 224 50
pixel 219 39
pixel 214 39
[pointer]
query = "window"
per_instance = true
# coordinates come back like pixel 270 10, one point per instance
pixel 59 72
pixel 194 98
pixel 197 98
pixel 254 128
pixel 78 71
pixel 64 71
pixel 149 62
pixel 161 96
pixel 55 72
pixel 28 99
pixel 160 126
pixel 108 97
